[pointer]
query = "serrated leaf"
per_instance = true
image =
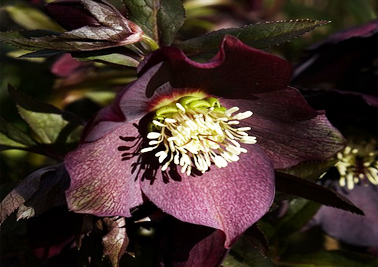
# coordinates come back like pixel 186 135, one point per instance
pixel 290 184
pixel 259 35
pixel 158 19
pixel 31 18
pixel 12 137
pixel 333 258
pixel 50 124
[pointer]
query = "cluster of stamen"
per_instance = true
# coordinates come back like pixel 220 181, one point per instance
pixel 195 132
pixel 357 165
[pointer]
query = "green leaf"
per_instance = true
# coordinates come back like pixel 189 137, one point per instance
pixel 158 19
pixel 310 170
pixel 259 35
pixel 144 14
pixel 296 217
pixel 113 58
pixel 246 257
pixel 13 137
pixel 293 185
pixel 171 17
pixel 50 124
pixel 332 258
pixel 31 18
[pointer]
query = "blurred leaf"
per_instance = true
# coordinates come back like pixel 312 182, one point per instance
pixel 158 19
pixel 333 258
pixel 246 257
pixel 296 217
pixel 31 18
pixel 114 58
pixel 259 35
pixel 290 184
pixel 50 124
pixel 310 170
pixel 251 249
pixel 12 137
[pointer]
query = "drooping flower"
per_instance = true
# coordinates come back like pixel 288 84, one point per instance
pixel 199 140
pixel 342 69
pixel 356 177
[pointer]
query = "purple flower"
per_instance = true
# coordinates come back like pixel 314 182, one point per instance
pixel 355 175
pixel 344 62
pixel 340 77
pixel 184 137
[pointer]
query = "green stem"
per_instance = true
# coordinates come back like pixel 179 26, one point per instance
pixel 150 42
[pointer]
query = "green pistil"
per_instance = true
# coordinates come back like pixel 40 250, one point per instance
pixel 187 103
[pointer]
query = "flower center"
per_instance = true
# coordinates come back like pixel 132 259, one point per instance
pixel 195 132
pixel 357 165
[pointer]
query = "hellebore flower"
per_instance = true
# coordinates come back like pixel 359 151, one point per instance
pixel 341 70
pixel 357 170
pixel 346 61
pixel 184 137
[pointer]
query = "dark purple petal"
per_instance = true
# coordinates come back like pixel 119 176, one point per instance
pixel 186 245
pixel 101 180
pixel 288 129
pixel 360 31
pixel 131 103
pixel 351 228
pixel 344 61
pixel 230 199
pixel 237 71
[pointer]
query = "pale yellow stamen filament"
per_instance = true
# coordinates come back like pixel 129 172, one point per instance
pixel 198 136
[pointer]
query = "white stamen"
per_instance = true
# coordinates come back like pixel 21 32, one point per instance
pixel 199 138
pixel 158 123
pixel 153 135
pixel 180 107
pixel 230 111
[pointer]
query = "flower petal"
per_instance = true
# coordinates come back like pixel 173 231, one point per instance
pixel 131 103
pixel 101 180
pixel 288 129
pixel 223 75
pixel 344 61
pixel 351 228
pixel 230 199
pixel 186 245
